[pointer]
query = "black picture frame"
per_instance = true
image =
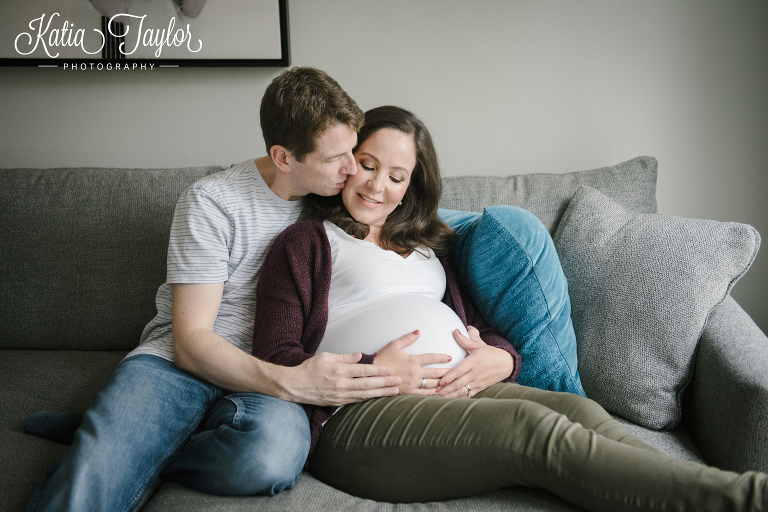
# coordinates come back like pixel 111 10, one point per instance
pixel 110 56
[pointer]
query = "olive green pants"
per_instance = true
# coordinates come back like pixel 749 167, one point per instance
pixel 412 448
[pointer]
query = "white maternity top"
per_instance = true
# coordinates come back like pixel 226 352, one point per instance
pixel 377 296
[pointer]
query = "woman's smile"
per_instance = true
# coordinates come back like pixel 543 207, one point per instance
pixel 385 161
pixel 368 201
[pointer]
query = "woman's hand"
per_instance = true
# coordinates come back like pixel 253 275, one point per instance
pixel 483 367
pixel 410 367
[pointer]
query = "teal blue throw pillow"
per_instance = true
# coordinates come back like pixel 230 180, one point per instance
pixel 507 260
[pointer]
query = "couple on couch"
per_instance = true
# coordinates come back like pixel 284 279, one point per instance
pixel 336 292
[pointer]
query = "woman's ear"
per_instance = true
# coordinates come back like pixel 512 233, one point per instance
pixel 281 157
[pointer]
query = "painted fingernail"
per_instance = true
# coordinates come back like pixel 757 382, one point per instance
pixel 415 332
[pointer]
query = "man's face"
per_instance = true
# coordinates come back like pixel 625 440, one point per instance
pixel 324 171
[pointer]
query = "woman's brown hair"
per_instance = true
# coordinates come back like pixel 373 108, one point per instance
pixel 414 223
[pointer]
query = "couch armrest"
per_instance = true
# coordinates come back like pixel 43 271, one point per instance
pixel 726 408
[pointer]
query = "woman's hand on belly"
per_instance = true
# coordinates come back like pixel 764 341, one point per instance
pixel 483 367
pixel 410 367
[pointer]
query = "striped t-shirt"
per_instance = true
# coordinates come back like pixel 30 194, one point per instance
pixel 222 227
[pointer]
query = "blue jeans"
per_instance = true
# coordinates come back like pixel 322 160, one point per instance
pixel 152 419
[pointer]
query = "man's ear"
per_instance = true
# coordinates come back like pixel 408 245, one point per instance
pixel 281 157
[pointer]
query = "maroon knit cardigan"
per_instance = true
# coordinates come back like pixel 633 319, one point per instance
pixel 292 305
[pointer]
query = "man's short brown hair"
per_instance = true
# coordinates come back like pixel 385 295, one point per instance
pixel 299 105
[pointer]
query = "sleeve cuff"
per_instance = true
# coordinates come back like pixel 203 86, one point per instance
pixel 367 359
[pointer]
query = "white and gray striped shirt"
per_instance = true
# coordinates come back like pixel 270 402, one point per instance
pixel 222 227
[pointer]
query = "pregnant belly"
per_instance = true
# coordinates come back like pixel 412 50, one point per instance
pixel 367 326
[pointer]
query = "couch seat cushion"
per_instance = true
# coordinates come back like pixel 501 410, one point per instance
pixel 32 380
pixel 56 380
pixel 68 380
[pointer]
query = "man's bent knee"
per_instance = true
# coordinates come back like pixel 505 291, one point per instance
pixel 260 448
pixel 278 448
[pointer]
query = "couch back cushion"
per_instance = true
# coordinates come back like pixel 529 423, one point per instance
pixel 83 254
pixel 632 184
pixel 84 250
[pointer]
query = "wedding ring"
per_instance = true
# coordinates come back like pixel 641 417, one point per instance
pixel 423 383
pixel 469 391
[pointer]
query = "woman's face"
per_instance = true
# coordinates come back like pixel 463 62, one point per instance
pixel 385 162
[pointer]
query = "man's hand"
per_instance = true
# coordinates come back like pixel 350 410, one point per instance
pixel 324 379
pixel 410 368
pixel 483 367
pixel 336 379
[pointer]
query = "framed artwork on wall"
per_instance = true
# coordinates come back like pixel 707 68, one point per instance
pixel 91 34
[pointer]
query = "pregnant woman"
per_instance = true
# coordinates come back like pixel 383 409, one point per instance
pixel 371 266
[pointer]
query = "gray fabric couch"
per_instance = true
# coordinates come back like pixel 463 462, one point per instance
pixel 83 253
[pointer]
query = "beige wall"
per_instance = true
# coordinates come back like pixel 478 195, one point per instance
pixel 506 86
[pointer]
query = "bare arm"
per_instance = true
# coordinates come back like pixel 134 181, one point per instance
pixel 326 379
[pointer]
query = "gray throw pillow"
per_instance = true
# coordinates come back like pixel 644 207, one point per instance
pixel 641 288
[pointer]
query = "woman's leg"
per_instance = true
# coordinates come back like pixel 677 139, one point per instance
pixel 577 409
pixel 412 448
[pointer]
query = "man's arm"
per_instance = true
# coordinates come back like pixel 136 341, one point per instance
pixel 325 379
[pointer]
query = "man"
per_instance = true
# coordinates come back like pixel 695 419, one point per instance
pixel 191 403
